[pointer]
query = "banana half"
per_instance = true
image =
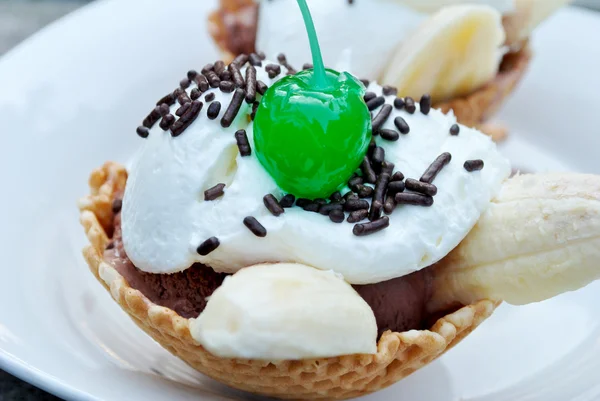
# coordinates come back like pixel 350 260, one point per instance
pixel 458 49
pixel 453 53
pixel 539 238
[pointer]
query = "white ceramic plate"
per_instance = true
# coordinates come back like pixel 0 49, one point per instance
pixel 71 97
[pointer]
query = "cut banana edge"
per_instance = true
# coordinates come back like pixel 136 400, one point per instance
pixel 539 238
pixel 453 53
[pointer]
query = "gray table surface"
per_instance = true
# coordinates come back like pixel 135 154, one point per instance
pixel 18 20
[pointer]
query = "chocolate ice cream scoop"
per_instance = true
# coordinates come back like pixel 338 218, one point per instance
pixel 183 292
pixel 398 304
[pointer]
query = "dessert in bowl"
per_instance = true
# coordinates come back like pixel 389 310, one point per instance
pixel 304 236
pixel 468 55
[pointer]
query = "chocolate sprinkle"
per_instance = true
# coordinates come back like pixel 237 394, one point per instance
pixel 202 82
pixel 435 167
pixel 163 109
pixel 233 109
pixel 389 134
pixel 287 201
pixel 368 172
pixel 473 165
pixel 254 110
pixel 409 105
pixel 273 70
pixel 208 67
pixel 226 86
pixel 188 118
pixel 375 103
pixel 208 246
pixel 191 74
pixel 225 75
pixel 395 186
pixel 240 60
pixel 390 90
pixel 402 125
pixel 336 197
pixel 185 83
pixel 142 131
pixel 242 142
pixel 378 156
pixel 168 99
pixel 381 187
pixel 117 205
pixel 255 227
pixel 250 84
pixel 364 191
pixel 355 204
pixel 261 87
pixel 195 94
pixel 381 117
pixel 283 61
pixel 182 110
pixel 337 216
pixel 213 79
pixel 369 96
pixel 389 205
pixel 273 205
pixel 354 182
pixel 387 167
pixel 183 98
pixel 238 80
pixel 210 97
pixel 262 55
pixel 215 192
pixel 255 60
pixel 303 202
pixel 307 66
pixel 375 211
pixel 213 110
pixel 455 129
pixel 416 199
pixel 398 176
pixel 358 215
pixel 167 121
pixel 399 103
pixel 312 207
pixel 365 82
pixel 152 118
pixel 372 227
pixel 425 104
pixel 328 208
pixel 421 187
pixel 219 67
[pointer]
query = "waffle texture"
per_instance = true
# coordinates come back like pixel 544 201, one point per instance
pixel 476 108
pixel 398 354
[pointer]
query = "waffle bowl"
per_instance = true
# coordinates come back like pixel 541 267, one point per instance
pixel 398 354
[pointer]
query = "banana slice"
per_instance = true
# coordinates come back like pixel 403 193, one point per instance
pixel 538 239
pixel 527 15
pixel 453 53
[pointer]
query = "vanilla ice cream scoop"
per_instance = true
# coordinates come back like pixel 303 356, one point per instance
pixel 285 311
pixel 165 196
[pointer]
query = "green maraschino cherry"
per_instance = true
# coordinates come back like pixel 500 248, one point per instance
pixel 312 129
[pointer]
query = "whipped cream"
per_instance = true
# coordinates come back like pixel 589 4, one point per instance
pixel 361 37
pixel 165 217
pixel 244 317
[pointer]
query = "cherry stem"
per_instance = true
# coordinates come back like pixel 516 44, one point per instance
pixel 319 67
